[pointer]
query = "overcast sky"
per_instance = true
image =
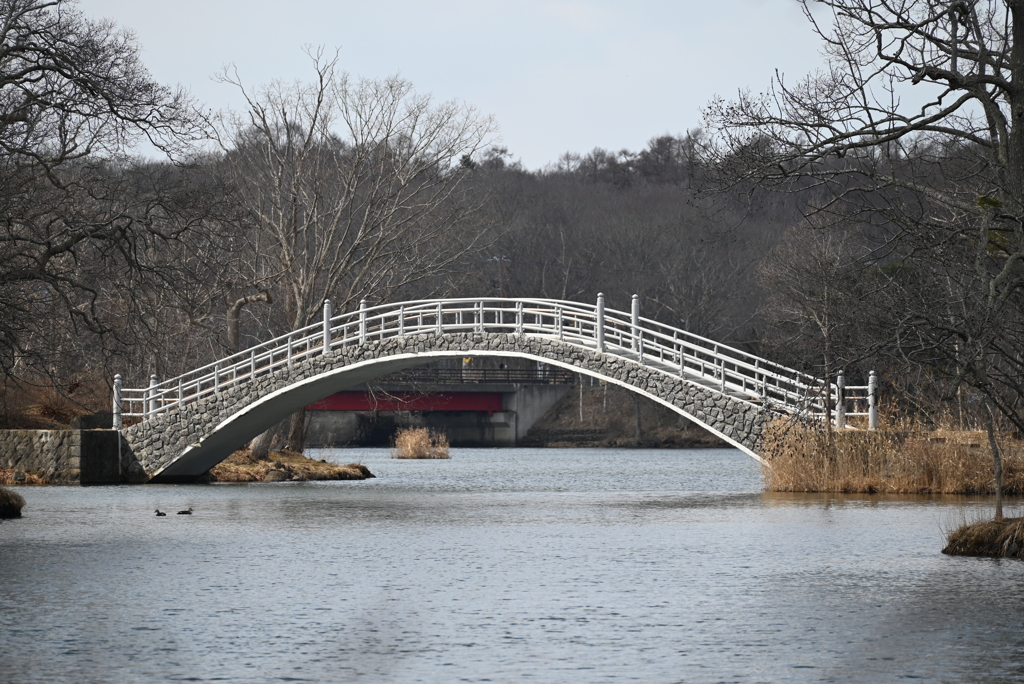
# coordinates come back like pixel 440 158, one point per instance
pixel 557 75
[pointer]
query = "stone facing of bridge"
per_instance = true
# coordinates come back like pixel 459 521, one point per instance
pixel 159 441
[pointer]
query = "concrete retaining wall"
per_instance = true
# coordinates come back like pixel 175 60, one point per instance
pixel 70 456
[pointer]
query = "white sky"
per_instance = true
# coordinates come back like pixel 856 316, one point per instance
pixel 558 75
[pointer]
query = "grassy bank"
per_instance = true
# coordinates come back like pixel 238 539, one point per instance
pixel 991 538
pixel 283 466
pixel 906 460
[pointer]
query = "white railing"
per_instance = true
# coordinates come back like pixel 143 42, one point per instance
pixel 663 348
pixel 855 401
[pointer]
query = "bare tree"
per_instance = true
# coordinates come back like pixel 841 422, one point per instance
pixel 354 187
pixel 74 97
pixel 912 129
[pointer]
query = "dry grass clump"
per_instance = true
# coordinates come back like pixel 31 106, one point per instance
pixel 10 476
pixel 283 466
pixel 11 503
pixel 906 459
pixel 992 538
pixel 420 443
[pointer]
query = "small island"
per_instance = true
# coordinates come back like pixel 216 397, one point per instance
pixel 282 466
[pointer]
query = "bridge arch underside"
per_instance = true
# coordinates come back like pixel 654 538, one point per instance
pixel 182 445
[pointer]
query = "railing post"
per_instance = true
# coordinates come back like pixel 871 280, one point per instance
pixel 635 321
pixel 118 422
pixel 599 322
pixel 327 326
pixel 519 318
pixel 440 315
pixel 252 365
pixel 480 319
pixel 840 401
pixel 723 373
pixel 759 382
pixel 290 352
pixel 152 397
pixel 362 321
pixel 401 321
pixel 216 378
pixel 872 401
pixel 682 356
pixel 181 392
pixel 560 322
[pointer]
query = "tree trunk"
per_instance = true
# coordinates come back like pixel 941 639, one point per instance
pixel 234 314
pixel 297 431
pixel 997 459
pixel 639 437
pixel 264 443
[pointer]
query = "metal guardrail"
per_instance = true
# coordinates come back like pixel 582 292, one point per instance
pixel 660 347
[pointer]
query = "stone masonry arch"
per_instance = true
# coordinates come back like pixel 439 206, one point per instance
pixel 179 446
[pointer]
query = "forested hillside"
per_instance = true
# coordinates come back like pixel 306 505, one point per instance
pixel 809 225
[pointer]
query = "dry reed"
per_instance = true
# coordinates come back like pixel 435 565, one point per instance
pixel 11 476
pixel 420 443
pixel 906 459
pixel 991 538
pixel 11 503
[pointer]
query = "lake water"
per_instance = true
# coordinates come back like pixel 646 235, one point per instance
pixel 543 565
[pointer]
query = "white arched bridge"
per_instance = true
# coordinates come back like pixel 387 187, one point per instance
pixel 177 429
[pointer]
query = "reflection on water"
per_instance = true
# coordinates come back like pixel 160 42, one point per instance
pixel 503 565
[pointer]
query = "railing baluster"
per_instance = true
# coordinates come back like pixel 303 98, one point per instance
pixel 401 321
pixel 872 401
pixel 599 322
pixel 151 409
pixel 118 402
pixel 362 321
pixel 840 401
pixel 327 326
pixel 635 324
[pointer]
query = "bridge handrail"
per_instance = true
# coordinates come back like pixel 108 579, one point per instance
pixel 662 347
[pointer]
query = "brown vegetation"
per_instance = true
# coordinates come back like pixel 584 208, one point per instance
pixel 11 503
pixel 283 466
pixel 11 476
pixel 993 538
pixel 420 443
pixel 906 459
